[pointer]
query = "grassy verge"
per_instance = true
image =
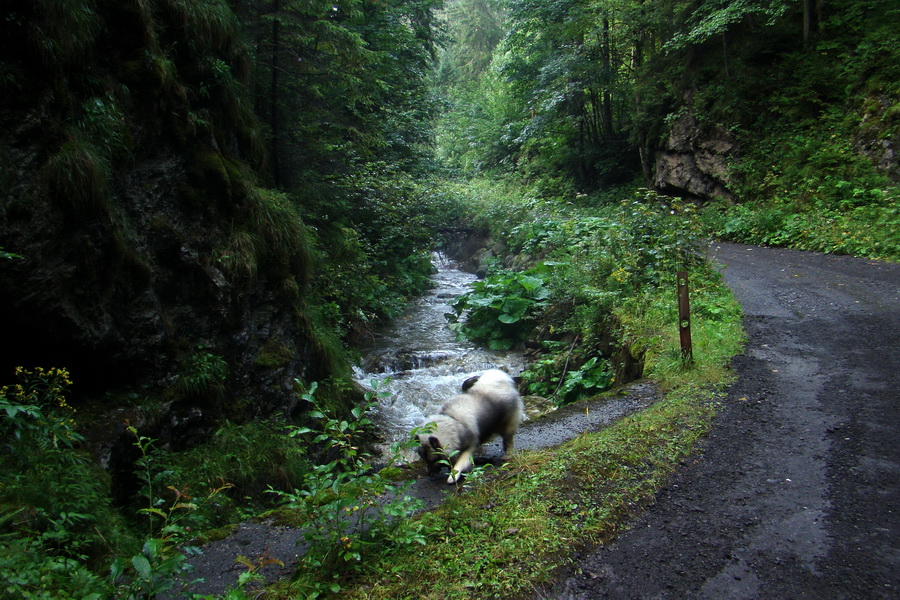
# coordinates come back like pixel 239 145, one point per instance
pixel 509 535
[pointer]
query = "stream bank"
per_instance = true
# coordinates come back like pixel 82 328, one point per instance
pixel 420 363
pixel 416 362
pixel 269 543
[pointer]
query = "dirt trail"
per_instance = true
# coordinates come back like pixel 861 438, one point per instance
pixel 796 491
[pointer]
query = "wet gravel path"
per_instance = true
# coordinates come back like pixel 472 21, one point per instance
pixel 796 491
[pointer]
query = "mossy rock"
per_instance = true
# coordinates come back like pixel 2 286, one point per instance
pixel 274 354
pixel 215 535
pixel 213 179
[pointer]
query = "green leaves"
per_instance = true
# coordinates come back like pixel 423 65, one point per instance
pixel 714 17
pixel 142 566
pixel 203 374
pixel 348 511
pixel 501 310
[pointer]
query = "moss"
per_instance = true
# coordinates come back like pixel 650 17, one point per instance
pixel 399 473
pixel 213 179
pixel 215 535
pixel 284 517
pixel 274 354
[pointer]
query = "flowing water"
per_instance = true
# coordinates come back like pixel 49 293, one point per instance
pixel 418 362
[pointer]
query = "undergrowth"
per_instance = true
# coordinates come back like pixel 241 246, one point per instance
pixel 516 526
pixel 514 530
pixel 581 270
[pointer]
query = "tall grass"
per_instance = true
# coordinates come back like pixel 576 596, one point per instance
pixel 238 257
pixel 281 231
pixel 77 177
pixel 63 32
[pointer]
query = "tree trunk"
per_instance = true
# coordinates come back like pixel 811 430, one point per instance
pixel 813 17
pixel 273 115
pixel 607 127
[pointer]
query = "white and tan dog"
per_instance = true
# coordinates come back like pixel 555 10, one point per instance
pixel 489 405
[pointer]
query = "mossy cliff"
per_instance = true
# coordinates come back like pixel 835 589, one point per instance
pixel 152 258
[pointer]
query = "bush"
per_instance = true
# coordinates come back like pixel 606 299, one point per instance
pixel 250 457
pixel 501 311
pixel 589 261
pixel 55 514
pixel 347 509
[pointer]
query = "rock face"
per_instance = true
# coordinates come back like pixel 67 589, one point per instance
pixel 138 291
pixel 694 161
pixel 876 134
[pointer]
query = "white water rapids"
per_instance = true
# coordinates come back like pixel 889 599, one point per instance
pixel 417 361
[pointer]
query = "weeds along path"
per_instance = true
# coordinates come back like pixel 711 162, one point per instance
pixel 796 491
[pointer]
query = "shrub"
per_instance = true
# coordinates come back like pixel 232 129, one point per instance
pixel 55 514
pixel 251 457
pixel 589 261
pixel 502 309
pixel 348 510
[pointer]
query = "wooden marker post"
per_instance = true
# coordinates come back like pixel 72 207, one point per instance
pixel 684 317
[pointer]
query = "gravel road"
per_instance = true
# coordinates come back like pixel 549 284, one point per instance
pixel 796 491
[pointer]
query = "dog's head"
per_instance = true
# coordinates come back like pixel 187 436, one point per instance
pixel 432 453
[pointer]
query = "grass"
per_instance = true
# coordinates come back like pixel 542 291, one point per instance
pixel 77 177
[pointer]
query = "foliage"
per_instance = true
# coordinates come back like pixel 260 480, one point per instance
pixel 814 192
pixel 28 572
pixel 5 254
pixel 203 375
pixel 361 67
pixel 502 309
pixel 251 457
pixel 590 260
pixel 162 561
pixel 554 99
pixel 715 17
pixel 551 377
pixel 283 238
pixel 576 91
pixel 375 249
pixel 349 512
pixel 54 506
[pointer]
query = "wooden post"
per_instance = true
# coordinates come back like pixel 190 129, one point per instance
pixel 684 317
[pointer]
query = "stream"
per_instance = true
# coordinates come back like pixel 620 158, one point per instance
pixel 417 363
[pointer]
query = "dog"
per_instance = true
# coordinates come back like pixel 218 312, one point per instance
pixel 489 405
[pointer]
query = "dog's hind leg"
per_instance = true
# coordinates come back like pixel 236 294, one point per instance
pixel 463 463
